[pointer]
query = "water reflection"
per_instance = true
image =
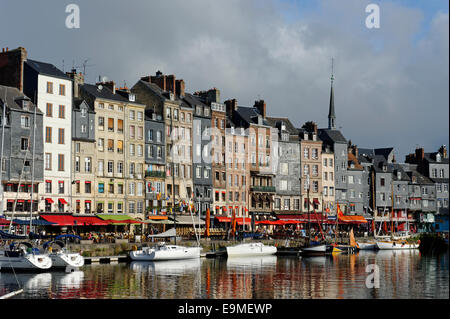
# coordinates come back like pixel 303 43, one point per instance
pixel 403 274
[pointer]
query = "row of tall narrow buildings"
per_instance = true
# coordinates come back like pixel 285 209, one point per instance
pixel 72 147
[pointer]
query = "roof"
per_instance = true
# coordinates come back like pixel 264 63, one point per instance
pixel 13 95
pixel 431 158
pixel 104 93
pixel 403 175
pixel 77 103
pixel 164 95
pixel 250 114
pixel 273 121
pixel 353 160
pixel 385 152
pixel 366 151
pixel 420 179
pixel 47 69
pixel 334 136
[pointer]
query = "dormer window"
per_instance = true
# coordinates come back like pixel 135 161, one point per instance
pixel 83 112
pixel 171 96
pixel 438 157
pixel 399 175
pixel 305 136
pixel 384 168
pixel 132 97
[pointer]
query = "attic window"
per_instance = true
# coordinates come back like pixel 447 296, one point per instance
pixel 438 157
pixel 352 165
pixel 399 175
pixel 83 112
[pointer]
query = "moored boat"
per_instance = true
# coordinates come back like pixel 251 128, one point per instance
pixel 251 249
pixel 315 250
pixel 165 252
pixel 62 258
pixel 367 246
pixel 24 258
pixel 396 245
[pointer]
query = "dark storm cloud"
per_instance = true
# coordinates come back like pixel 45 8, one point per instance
pixel 391 85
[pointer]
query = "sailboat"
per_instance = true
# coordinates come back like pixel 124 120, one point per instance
pixel 249 249
pixel 62 258
pixel 162 251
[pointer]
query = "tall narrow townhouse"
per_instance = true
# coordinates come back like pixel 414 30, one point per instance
pixel 134 127
pixel 201 157
pixel 164 95
pixel 260 137
pixel 19 142
pixel 328 191
pixel 311 165
pixel 109 168
pixel 155 162
pixel 287 178
pixel 52 91
pixel 218 126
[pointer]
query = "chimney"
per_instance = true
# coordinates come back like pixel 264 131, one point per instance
pixel 443 151
pixel 12 67
pixel 179 88
pixel 78 79
pixel 214 95
pixel 110 84
pixel 420 153
pixel 261 106
pixel 230 106
pixel 170 83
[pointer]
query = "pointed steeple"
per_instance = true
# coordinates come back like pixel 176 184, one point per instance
pixel 331 115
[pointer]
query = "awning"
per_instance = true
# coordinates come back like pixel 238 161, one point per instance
pixel 223 219
pixel 316 201
pixel 240 220
pixel 269 222
pixel 119 219
pixel 59 220
pixel 4 221
pixel 313 218
pixel 155 217
pixel 49 200
pixel 36 222
pixel 352 219
pixel 187 220
pixel 62 201
pixel 89 221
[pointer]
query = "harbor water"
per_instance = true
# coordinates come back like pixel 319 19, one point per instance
pixel 395 274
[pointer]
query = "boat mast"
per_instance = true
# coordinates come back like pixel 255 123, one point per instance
pixel 173 180
pixel 32 169
pixel 309 215
pixel 1 155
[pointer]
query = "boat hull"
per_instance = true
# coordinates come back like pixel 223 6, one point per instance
pixel 64 260
pixel 251 249
pixel 315 250
pixel 178 252
pixel 367 246
pixel 396 246
pixel 26 262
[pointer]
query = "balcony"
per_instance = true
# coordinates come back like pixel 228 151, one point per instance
pixel 268 189
pixel 155 174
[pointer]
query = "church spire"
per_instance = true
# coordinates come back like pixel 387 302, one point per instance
pixel 331 115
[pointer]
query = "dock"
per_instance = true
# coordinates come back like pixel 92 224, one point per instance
pixel 105 259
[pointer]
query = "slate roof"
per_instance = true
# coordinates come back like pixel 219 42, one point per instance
pixel 384 151
pixel 398 168
pixel 104 93
pixel 431 158
pixel 272 121
pixel 331 136
pixel 47 69
pixel 420 179
pixel 13 95
pixel 78 101
pixel 250 114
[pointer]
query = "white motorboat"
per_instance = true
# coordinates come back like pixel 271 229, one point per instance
pixel 251 249
pixel 367 246
pixel 314 250
pixel 396 245
pixel 165 252
pixel 24 258
pixel 62 258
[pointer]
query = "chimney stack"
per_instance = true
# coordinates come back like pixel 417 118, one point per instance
pixel 420 153
pixel 12 67
pixel 230 106
pixel 78 79
pixel 443 151
pixel 109 84
pixel 261 106
pixel 179 88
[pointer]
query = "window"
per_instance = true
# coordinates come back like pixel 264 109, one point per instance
pixel 283 185
pixel 140 188
pixel 61 162
pixel 48 187
pixel 25 121
pixel 50 87
pixel 139 150
pixel 284 169
pixel 48 161
pixel 381 181
pixel 132 187
pixel 101 123
pixel 111 188
pixel 306 170
pixel 351 179
pixel 101 187
pixel 315 186
pixel 49 112
pixel 132 131
pixel 120 167
pixel 83 128
pixel 77 164
pixel 110 125
pixel 101 144
pixel 140 132
pixel 24 143
pixel 83 112
pixel 132 149
pixel 111 107
pixel 48 134
pixel 314 153
pixel 110 145
pixel 331 191
pixel 62 89
pixel 324 162
pixel 315 170
pixel 110 167
pixel 132 115
pixel 120 126
pixel 120 146
pixel 61 187
pixel 62 111
pixel 100 167
pixel 101 105
pixel 119 188
pixel 139 116
pixel 61 136
pixel 306 153
pixel 325 191
pixel 87 187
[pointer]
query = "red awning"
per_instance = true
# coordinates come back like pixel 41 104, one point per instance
pixel 240 220
pixel 314 217
pixel 352 219
pixel 90 220
pixel 269 222
pixel 62 201
pixel 49 200
pixel 10 200
pixel 316 201
pixel 223 219
pixel 60 220
pixel 4 221
pixel 87 201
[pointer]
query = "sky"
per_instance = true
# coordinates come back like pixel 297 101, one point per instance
pixel 391 83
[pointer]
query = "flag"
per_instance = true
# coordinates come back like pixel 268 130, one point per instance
pixel 339 212
pixel 207 222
